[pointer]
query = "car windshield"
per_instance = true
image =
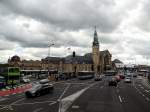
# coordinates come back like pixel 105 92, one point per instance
pixel 44 81
pixel 35 87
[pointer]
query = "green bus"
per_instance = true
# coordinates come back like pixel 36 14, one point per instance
pixel 13 76
pixel 9 76
pixel 13 71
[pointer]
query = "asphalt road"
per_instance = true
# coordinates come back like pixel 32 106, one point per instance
pixel 84 96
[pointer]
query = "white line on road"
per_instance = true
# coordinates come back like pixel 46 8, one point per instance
pixel 17 101
pixel 3 99
pixel 67 101
pixel 64 92
pixel 120 99
pixel 147 99
pixel 52 103
pixel 140 92
pixel 142 87
pixel 147 91
pixel 75 106
pixel 102 87
pixel 12 104
pixel 34 103
pixel 38 109
pixel 79 83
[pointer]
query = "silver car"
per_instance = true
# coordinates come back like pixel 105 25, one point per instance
pixel 127 80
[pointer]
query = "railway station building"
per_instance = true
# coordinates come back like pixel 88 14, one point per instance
pixel 97 61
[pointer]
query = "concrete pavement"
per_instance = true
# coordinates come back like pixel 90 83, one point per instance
pixel 83 96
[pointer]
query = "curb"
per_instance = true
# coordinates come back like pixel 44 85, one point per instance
pixel 15 90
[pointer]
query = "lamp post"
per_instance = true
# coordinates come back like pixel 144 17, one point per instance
pixel 49 46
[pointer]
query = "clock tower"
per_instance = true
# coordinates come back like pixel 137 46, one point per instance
pixel 96 53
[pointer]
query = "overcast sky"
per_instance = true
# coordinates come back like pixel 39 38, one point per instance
pixel 27 26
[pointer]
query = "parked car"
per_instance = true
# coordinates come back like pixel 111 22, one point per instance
pixel 25 80
pixel 98 78
pixel 39 89
pixel 112 82
pixel 127 80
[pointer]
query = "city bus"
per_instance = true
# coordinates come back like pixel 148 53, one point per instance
pixel 85 75
pixel 13 76
pixel 143 72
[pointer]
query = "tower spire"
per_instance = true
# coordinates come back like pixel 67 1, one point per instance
pixel 95 42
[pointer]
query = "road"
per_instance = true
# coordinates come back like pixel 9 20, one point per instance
pixel 84 96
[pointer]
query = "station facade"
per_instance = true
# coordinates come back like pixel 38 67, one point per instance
pixel 98 61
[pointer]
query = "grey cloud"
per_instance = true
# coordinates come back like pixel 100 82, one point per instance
pixel 109 39
pixel 57 18
pixel 142 21
pixel 141 47
pixel 69 15
pixel 5 45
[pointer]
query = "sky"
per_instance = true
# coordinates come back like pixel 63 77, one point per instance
pixel 28 27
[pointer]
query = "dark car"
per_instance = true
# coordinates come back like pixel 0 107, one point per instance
pixel 112 82
pixel 39 89
pixel 122 76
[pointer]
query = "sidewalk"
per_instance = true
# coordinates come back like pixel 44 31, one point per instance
pixel 15 90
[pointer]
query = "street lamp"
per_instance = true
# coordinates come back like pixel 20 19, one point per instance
pixel 49 46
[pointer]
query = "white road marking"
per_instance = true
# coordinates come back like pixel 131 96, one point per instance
pixel 38 109
pixel 7 107
pixel 17 101
pixel 10 105
pixel 120 99
pixel 147 91
pixel 64 92
pixel 52 103
pixel 75 106
pixel 3 99
pixel 147 99
pixel 102 87
pixel 67 101
pixel 142 87
pixel 140 92
pixel 35 103
pixel 79 83
pixel 58 82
